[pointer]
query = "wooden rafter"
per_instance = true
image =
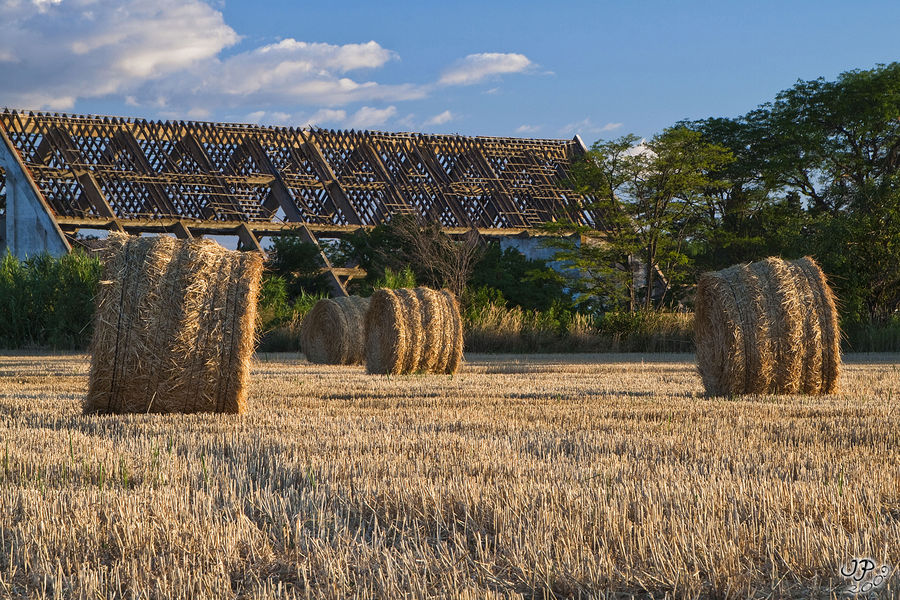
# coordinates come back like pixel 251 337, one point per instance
pixel 202 178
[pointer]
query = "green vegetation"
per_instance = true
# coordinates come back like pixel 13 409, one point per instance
pixel 46 301
pixel 816 171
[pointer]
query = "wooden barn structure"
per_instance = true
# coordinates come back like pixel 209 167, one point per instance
pixel 63 173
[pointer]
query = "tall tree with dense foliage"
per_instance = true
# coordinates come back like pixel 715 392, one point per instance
pixel 651 194
pixel 837 145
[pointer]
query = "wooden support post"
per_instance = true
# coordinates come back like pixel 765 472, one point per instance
pixel 329 180
pixel 337 286
pixel 181 231
pixel 248 240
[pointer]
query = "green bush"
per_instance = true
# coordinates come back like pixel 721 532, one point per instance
pixel 523 282
pixel 405 278
pixel 873 336
pixel 279 317
pixel 48 301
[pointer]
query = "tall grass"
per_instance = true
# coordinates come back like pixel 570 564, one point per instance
pixel 47 301
pixel 279 319
pixel 395 280
pixel 493 327
pixel 873 337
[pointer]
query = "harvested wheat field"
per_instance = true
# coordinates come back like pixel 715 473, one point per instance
pixel 601 476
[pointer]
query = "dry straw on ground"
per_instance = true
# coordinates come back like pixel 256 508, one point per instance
pixel 413 330
pixel 767 327
pixel 605 477
pixel 333 332
pixel 173 327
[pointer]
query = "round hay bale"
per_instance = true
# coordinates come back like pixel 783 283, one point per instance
pixel 768 327
pixel 433 316
pixel 412 314
pixel 333 332
pixel 386 333
pixel 826 310
pixel 413 331
pixel 173 327
pixel 454 332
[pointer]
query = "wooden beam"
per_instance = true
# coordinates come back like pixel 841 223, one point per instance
pixel 334 282
pixel 269 229
pixel 75 161
pixel 181 231
pixel 248 240
pixel 278 189
pixel 329 180
pixel 158 195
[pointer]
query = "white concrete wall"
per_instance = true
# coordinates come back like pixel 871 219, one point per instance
pixel 30 230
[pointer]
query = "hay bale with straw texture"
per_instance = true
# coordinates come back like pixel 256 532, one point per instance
pixel 173 327
pixel 334 331
pixel 454 331
pixel 769 327
pixel 413 331
pixel 432 321
pixel 386 333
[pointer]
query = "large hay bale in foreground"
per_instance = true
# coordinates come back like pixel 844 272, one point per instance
pixel 770 327
pixel 413 331
pixel 173 327
pixel 334 331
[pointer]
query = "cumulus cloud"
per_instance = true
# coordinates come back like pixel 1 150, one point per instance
pixel 478 67
pixel 441 118
pixel 528 128
pixel 367 117
pixel 588 126
pixel 325 116
pixel 167 55
pixel 55 53
pixel 170 59
pixel 289 73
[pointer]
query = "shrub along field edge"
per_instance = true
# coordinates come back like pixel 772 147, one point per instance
pixel 48 302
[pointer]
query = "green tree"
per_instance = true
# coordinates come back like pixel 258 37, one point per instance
pixel 837 145
pixel 298 263
pixel 521 281
pixel 649 196
pixel 741 217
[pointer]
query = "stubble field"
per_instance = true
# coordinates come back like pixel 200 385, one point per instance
pixel 605 476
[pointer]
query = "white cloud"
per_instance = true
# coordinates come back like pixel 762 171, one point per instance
pixel 167 55
pixel 367 117
pixel 59 52
pixel 326 115
pixel 588 126
pixel 441 118
pixel 528 128
pixel 408 122
pixel 287 74
pixel 477 67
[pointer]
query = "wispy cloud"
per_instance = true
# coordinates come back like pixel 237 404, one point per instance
pixel 367 117
pixel 167 54
pixel 588 126
pixel 56 53
pixel 440 119
pixel 528 128
pixel 478 67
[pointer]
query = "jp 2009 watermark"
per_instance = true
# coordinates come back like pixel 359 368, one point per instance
pixel 865 576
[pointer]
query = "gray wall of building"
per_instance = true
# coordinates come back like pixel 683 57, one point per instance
pixel 28 229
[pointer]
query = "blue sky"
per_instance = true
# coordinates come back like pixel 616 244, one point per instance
pixel 529 69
